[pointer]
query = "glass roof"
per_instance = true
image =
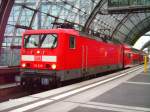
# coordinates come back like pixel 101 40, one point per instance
pixel 40 14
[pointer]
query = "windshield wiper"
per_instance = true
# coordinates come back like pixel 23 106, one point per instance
pixel 42 40
pixel 54 42
pixel 26 40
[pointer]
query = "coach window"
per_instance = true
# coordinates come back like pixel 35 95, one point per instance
pixel 129 55
pixel 72 42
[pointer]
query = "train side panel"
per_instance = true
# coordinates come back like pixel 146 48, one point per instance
pixel 77 56
pixel 127 56
pixel 90 56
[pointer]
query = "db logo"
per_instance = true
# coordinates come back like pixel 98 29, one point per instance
pixel 37 58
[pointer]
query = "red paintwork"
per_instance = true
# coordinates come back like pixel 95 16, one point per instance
pixel 127 56
pixel 136 56
pixel 97 52
pixel 142 54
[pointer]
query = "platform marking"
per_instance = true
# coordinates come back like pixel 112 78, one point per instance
pixel 8 86
pixel 43 102
pixel 114 107
pixel 142 83
pixel 31 106
pixel 119 106
pixel 88 87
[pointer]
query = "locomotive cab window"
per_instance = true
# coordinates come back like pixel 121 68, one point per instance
pixel 72 42
pixel 40 41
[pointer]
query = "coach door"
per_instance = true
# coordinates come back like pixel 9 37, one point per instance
pixel 84 59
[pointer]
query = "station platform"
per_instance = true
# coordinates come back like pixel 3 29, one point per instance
pixel 124 91
pixel 7 74
pixel 9 85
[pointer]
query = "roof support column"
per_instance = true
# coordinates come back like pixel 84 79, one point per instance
pixel 5 9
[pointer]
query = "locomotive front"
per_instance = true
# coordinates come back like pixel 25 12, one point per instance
pixel 38 56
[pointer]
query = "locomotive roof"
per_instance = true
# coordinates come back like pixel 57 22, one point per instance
pixel 62 30
pixel 59 30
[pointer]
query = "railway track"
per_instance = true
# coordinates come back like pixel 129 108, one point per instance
pixel 9 92
pixel 13 92
pixel 17 91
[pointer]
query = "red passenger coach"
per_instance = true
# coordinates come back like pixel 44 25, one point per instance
pixel 132 57
pixel 127 58
pixel 142 54
pixel 63 54
pixel 136 56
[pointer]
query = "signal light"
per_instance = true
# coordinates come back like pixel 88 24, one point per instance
pixel 23 65
pixel 53 66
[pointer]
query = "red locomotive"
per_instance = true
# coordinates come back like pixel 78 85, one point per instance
pixel 54 55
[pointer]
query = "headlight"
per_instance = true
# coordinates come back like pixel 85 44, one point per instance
pixel 23 65
pixel 38 52
pixel 53 66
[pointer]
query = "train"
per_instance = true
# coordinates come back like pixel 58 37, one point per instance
pixel 51 56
